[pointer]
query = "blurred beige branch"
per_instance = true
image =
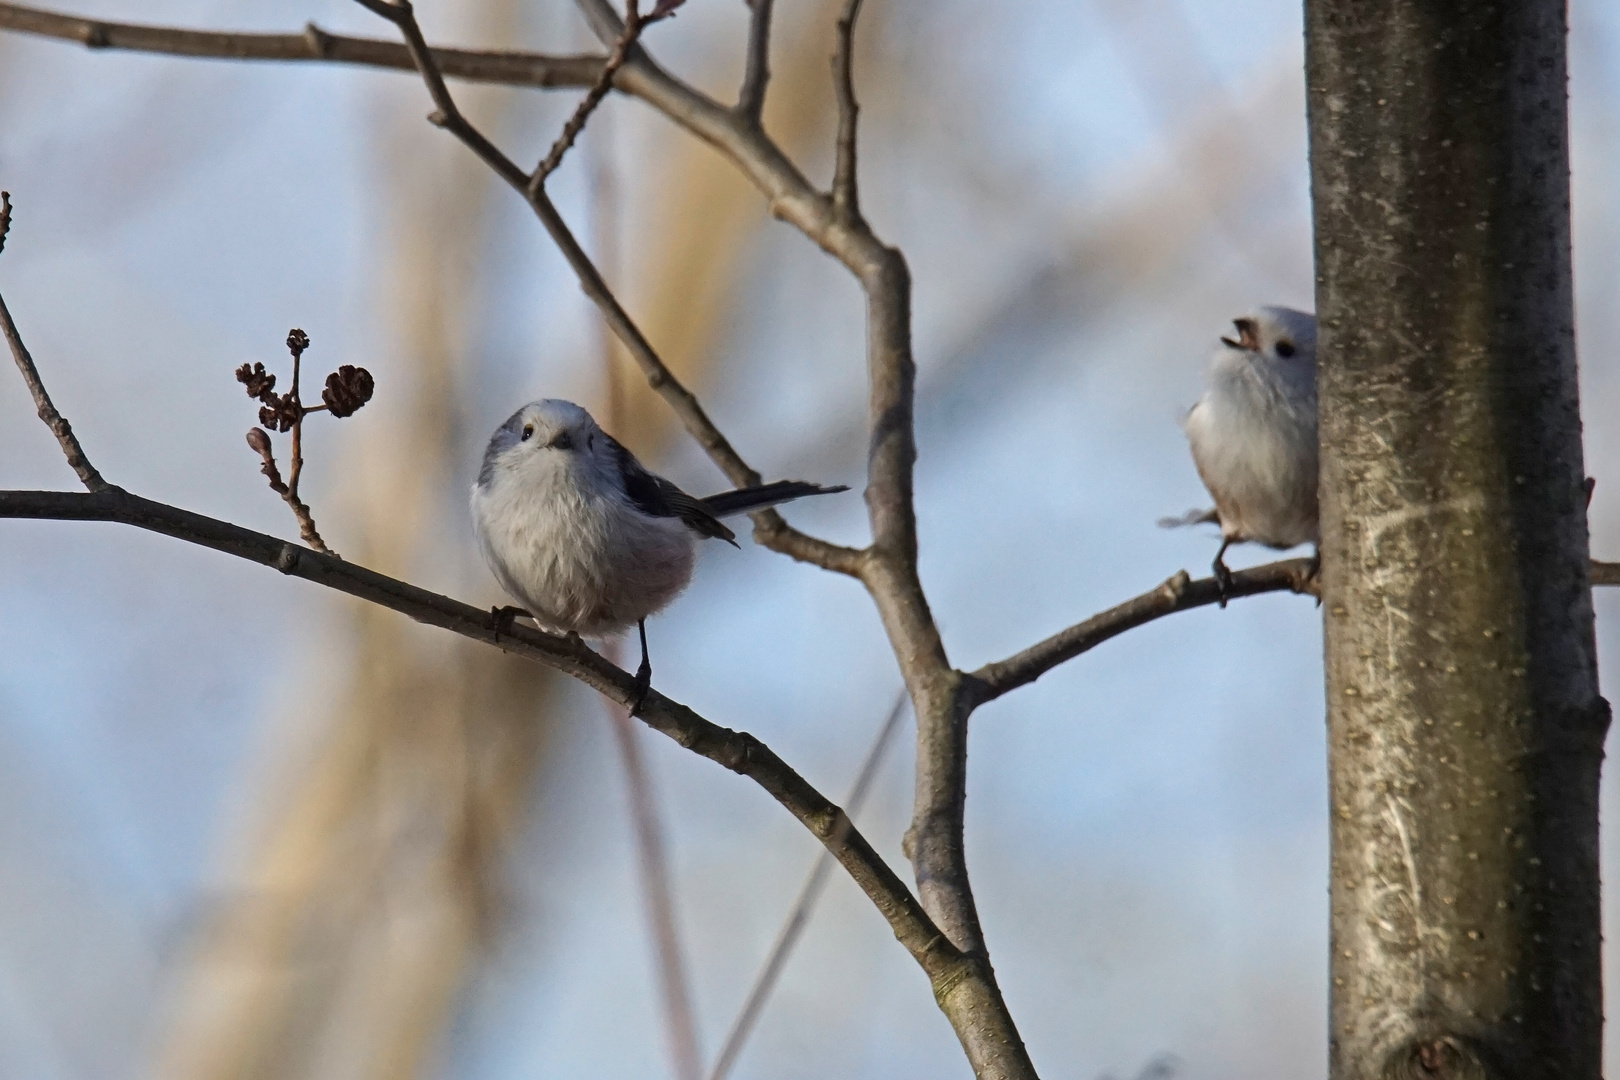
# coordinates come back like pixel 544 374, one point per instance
pixel 365 903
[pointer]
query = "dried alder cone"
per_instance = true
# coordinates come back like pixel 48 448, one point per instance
pixel 347 389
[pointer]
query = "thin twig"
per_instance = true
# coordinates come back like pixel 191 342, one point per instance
pixel 757 69
pixel 799 916
pixel 314 44
pixel 287 411
pixel 76 457
pixel 1605 573
pixel 845 189
pixel 297 428
pixel 259 440
pixel 1179 593
pixel 634 24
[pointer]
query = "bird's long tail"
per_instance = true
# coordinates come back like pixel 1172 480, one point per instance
pixel 1191 517
pixel 747 500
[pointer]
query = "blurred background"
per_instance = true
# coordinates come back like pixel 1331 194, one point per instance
pixel 249 829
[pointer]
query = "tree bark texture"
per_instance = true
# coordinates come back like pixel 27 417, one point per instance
pixel 1465 726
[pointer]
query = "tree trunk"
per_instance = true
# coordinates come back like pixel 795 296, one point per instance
pixel 1465 726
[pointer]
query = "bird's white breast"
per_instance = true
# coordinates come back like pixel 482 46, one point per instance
pixel 1253 437
pixel 579 561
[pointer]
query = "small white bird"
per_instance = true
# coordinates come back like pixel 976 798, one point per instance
pixel 1253 435
pixel 584 537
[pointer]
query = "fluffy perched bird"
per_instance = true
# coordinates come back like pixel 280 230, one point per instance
pixel 583 536
pixel 1253 435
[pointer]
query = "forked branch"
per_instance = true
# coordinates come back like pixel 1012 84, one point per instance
pixel 634 24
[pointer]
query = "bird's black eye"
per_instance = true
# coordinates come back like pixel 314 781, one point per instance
pixel 1285 349
pixel 528 432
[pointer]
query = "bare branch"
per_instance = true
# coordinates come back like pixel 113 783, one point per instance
pixel 799 917
pixel 259 441
pixel 757 70
pixel 76 457
pixel 633 25
pixel 1179 593
pixel 845 189
pixel 738 751
pixel 297 342
pixel 314 44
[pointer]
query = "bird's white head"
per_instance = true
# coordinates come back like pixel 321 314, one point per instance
pixel 547 438
pixel 1278 334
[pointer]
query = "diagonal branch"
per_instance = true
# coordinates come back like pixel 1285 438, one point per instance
pixel 757 68
pixel 54 420
pixel 633 25
pixel 799 917
pixel 1179 593
pixel 845 188
pixel 738 751
pixel 314 44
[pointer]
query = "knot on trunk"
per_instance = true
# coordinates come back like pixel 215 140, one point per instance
pixel 1444 1057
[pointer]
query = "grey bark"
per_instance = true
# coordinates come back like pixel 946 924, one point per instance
pixel 1465 726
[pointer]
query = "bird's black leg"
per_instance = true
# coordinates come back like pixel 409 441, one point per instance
pixel 501 618
pixel 643 673
pixel 1223 576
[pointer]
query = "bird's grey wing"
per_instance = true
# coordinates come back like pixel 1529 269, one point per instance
pixel 657 497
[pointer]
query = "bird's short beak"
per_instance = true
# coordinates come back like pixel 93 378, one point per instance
pixel 1247 336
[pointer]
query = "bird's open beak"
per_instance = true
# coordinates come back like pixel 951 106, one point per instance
pixel 1247 337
